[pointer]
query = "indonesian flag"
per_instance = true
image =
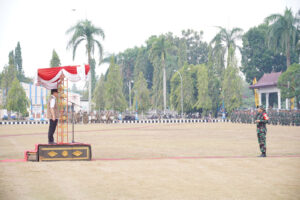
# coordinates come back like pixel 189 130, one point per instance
pixel 48 77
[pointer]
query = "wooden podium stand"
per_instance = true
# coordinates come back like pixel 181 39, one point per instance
pixel 63 150
pixel 60 152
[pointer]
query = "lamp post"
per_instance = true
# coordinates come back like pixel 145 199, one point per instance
pixel 129 85
pixel 181 92
pixel 223 105
pixel 136 105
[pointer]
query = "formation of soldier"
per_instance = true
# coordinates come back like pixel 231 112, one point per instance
pixel 94 117
pixel 281 117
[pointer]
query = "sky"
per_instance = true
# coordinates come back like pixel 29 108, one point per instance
pixel 40 25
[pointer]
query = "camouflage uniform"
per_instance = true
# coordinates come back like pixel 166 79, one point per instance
pixel 297 120
pixel 262 130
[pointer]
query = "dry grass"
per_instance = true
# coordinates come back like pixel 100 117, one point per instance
pixel 142 177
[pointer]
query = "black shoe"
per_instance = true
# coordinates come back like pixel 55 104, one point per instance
pixel 263 155
pixel 52 143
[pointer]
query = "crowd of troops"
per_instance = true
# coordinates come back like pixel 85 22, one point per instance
pixel 95 117
pixel 281 117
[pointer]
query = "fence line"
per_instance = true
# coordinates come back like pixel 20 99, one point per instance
pixel 146 121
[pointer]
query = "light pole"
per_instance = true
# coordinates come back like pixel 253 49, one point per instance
pixel 136 105
pixel 223 105
pixel 129 85
pixel 181 92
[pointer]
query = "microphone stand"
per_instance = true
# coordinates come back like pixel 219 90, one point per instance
pixel 73 104
pixel 73 141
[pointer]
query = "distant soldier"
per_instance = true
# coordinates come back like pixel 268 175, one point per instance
pixel 297 122
pixel 261 121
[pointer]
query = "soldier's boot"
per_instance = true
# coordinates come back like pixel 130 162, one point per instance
pixel 263 155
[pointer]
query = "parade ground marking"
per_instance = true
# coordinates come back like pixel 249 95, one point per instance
pixel 174 158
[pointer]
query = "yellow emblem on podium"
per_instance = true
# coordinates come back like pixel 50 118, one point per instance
pixel 52 153
pixel 64 153
pixel 77 153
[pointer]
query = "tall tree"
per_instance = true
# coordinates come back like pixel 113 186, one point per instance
pixel 158 55
pixel 197 50
pixel 289 83
pixel 298 47
pixel 232 84
pixel 215 69
pixel 19 62
pixel 55 61
pixel 93 74
pixel 216 58
pixel 141 93
pixel 188 89
pixel 204 102
pixel 15 61
pixel 248 99
pixel 85 31
pixel 257 58
pixel 99 94
pixel 228 38
pixel 144 65
pixel 16 98
pixel 11 59
pixel 8 74
pixel 114 97
pixel 182 56
pixel 283 32
pixel 127 60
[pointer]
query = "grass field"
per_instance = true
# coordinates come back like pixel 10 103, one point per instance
pixel 156 161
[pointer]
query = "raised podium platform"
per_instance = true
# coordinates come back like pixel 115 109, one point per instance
pixel 57 79
pixel 60 152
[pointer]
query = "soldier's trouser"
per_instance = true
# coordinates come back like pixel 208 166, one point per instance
pixel 261 135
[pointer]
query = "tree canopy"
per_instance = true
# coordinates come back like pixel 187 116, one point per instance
pixel 282 34
pixel 99 94
pixel 114 97
pixel 141 94
pixel 55 61
pixel 257 58
pixel 289 82
pixel 16 98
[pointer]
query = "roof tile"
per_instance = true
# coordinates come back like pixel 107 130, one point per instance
pixel 267 80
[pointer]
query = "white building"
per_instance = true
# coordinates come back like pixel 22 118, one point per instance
pixel 84 105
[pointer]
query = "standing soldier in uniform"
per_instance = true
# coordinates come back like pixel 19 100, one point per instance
pixel 52 114
pixel 261 121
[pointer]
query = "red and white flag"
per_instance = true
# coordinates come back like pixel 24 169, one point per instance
pixel 48 77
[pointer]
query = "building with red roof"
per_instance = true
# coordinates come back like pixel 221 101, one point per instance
pixel 268 84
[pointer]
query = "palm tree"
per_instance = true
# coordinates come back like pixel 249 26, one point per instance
pixel 159 52
pixel 217 56
pixel 84 30
pixel 298 49
pixel 229 38
pixel 283 32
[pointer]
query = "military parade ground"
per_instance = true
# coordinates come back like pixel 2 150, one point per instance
pixel 156 161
